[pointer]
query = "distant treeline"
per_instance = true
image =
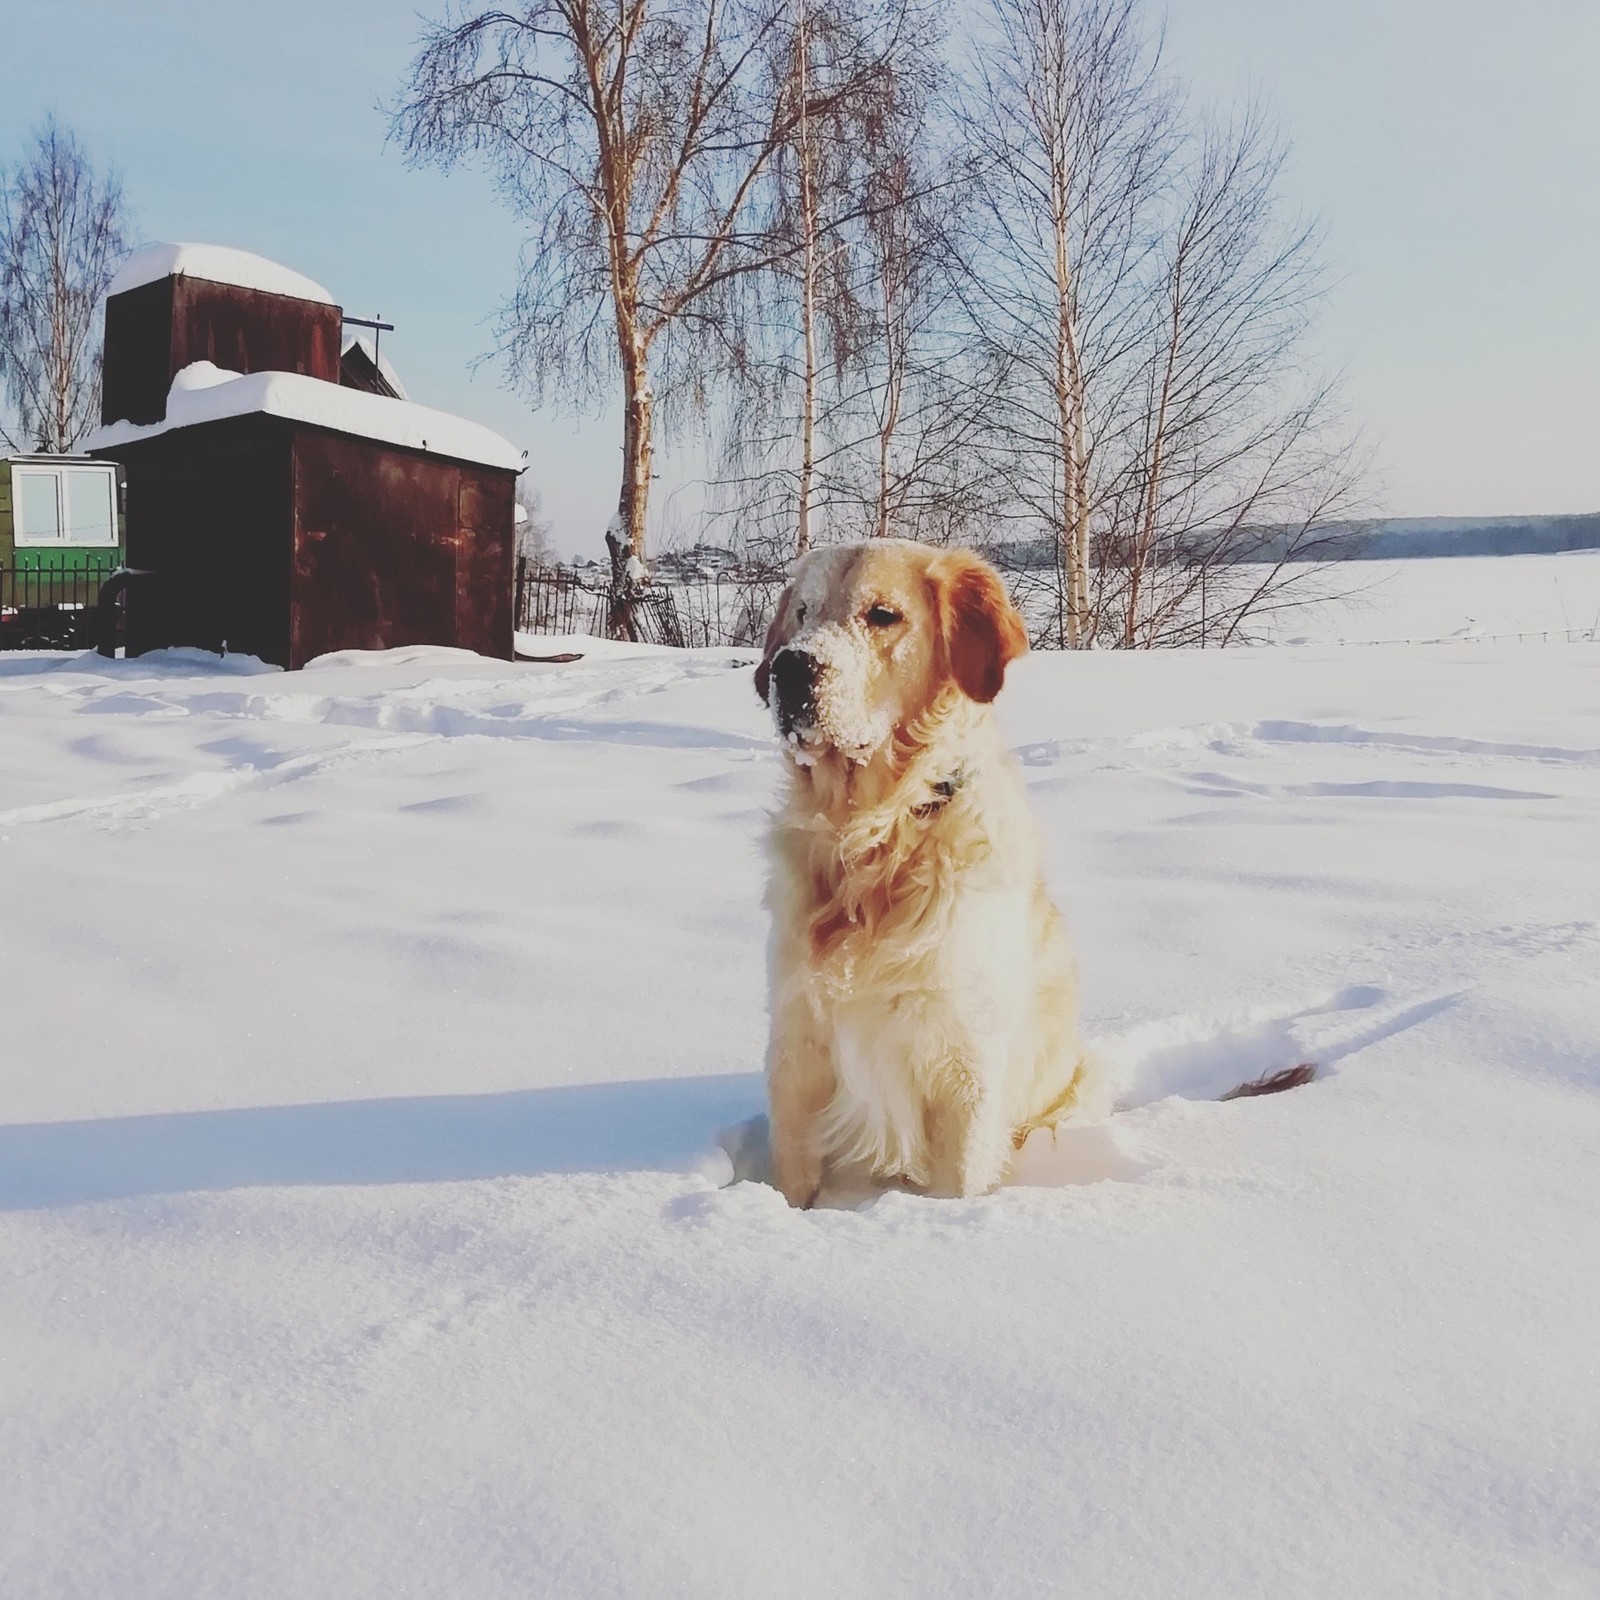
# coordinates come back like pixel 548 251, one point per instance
pixel 1478 536
pixel 1397 539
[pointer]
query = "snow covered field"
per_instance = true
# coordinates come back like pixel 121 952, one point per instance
pixel 1461 597
pixel 366 1036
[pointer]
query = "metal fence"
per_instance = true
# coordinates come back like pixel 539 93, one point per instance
pixel 558 600
pixel 553 600
pixel 49 609
pixel 734 607
pixel 730 608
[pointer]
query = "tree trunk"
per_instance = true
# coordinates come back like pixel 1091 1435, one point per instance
pixel 638 452
pixel 808 410
pixel 808 297
pixel 1145 529
pixel 1074 488
pixel 1084 612
pixel 1070 410
pixel 625 536
pixel 895 365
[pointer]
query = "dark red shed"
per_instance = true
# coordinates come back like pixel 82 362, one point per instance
pixel 280 514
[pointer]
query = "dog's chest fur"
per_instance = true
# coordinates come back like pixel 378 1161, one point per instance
pixel 917 955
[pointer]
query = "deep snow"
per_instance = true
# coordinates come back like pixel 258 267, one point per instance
pixel 219 263
pixel 204 392
pixel 368 1030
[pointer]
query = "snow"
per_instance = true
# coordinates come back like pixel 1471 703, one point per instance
pixel 218 263
pixel 1449 598
pixel 370 1029
pixel 204 392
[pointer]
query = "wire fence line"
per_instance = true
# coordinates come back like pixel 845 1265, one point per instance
pixel 734 608
pixel 1527 636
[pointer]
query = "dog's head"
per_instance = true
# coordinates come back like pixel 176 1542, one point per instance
pixel 867 637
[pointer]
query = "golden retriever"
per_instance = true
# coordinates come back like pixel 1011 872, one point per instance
pixel 923 992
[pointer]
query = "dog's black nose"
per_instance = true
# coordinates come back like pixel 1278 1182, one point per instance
pixel 794 675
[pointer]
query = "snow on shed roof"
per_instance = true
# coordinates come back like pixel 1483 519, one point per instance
pixel 206 393
pixel 220 264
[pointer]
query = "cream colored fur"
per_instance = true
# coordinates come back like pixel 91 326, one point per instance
pixel 923 992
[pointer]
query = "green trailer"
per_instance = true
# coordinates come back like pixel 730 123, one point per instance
pixel 61 532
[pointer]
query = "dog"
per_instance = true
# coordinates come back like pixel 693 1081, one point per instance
pixel 923 991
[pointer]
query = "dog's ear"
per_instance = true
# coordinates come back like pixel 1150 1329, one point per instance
pixel 983 632
pixel 777 631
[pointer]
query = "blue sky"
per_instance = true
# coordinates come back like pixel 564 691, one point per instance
pixel 1452 148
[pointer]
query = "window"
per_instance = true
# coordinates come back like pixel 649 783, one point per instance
pixel 91 504
pixel 38 498
pixel 65 505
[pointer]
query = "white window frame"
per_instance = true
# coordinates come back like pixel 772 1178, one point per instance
pixel 60 540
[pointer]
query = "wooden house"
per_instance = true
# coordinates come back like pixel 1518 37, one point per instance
pixel 279 511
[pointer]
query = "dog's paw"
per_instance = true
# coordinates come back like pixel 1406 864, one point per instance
pixel 797 1171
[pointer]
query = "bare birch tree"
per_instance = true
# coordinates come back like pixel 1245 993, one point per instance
pixel 807 145
pixel 635 136
pixel 849 411
pixel 63 229
pixel 779 458
pixel 1240 466
pixel 919 388
pixel 1072 128
pixel 1138 274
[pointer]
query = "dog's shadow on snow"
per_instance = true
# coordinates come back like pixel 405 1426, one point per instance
pixel 654 1125
pixel 661 1124
pixel 708 1124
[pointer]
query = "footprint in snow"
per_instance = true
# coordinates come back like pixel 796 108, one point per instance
pixel 1197 1056
pixel 1201 1056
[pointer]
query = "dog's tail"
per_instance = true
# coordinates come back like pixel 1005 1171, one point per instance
pixel 1274 1082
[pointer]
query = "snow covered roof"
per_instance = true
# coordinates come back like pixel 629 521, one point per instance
pixel 218 263
pixel 203 392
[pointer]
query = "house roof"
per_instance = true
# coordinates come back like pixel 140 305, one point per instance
pixel 219 264
pixel 203 392
pixel 39 458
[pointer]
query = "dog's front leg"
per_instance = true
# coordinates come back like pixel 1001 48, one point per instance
pixel 800 1083
pixel 969 1145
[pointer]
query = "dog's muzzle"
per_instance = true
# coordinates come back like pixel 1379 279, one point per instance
pixel 794 683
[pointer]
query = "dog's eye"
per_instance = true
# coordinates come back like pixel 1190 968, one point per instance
pixel 881 616
pixel 800 612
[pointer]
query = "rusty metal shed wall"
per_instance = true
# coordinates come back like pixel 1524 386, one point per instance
pixel 486 561
pixel 210 511
pixel 138 354
pixel 396 547
pixel 154 331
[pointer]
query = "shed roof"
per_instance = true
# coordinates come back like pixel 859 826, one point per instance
pixel 218 263
pixel 375 359
pixel 203 392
